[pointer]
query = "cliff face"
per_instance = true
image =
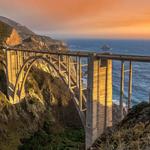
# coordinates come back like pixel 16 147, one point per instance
pixel 12 33
pixel 16 35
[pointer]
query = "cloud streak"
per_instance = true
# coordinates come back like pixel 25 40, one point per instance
pixel 95 18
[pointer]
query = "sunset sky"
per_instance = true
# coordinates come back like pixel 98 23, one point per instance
pixel 82 18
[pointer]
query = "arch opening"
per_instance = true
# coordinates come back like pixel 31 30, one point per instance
pixel 25 69
pixel 28 64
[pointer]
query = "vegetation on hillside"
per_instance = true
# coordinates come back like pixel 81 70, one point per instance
pixel 133 133
pixel 59 138
pixel 46 112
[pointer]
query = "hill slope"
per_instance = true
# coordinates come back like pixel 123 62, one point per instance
pixel 133 133
pixel 15 34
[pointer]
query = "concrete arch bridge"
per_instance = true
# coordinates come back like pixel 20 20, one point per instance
pixel 95 105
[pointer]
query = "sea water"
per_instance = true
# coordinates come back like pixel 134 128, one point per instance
pixel 141 71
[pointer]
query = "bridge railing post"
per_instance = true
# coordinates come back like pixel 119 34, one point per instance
pixel 99 99
pixel 77 66
pixel 68 70
pixel 130 86
pixel 122 89
pixel 80 85
pixel 59 63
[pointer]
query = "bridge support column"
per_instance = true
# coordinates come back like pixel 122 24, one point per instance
pixel 14 63
pixel 99 102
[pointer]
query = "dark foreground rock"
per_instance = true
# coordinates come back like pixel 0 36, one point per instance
pixel 132 133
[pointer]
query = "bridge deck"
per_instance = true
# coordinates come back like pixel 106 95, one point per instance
pixel 137 58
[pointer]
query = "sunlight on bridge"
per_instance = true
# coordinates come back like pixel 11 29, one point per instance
pixel 93 99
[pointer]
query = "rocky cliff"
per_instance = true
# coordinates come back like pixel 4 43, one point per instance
pixel 16 35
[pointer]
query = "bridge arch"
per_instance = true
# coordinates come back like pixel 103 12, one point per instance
pixel 25 69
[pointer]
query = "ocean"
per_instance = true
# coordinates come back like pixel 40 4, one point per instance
pixel 141 71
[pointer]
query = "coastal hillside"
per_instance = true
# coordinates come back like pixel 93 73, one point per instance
pixel 132 133
pixel 46 112
pixel 16 35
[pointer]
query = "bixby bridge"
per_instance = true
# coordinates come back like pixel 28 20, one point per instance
pixel 93 100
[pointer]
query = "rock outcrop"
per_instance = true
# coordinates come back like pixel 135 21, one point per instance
pixel 12 33
pixel 16 35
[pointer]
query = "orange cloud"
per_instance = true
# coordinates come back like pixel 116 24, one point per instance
pixel 99 18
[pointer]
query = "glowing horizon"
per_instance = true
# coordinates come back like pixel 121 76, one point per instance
pixel 82 18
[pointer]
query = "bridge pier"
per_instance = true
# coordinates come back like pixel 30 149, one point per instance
pixel 99 100
pixel 14 61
